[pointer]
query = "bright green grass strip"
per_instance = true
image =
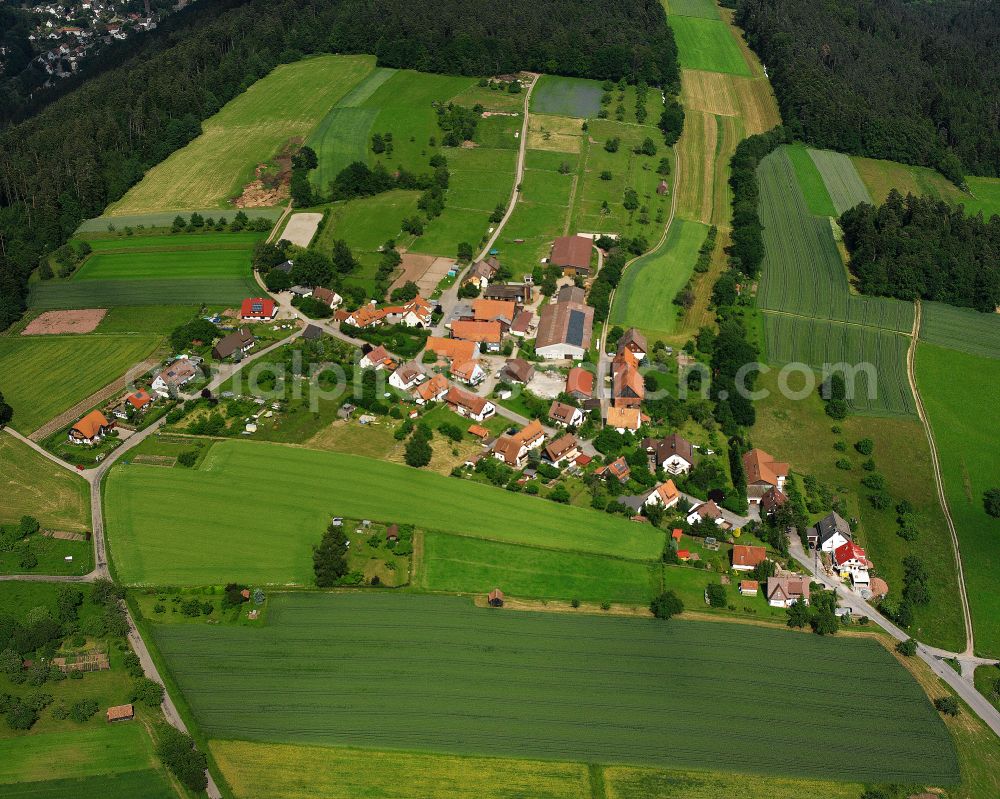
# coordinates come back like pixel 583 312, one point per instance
pixel 987 196
pixel 562 686
pixel 471 565
pixel 707 44
pixel 86 752
pixel 105 293
pixel 207 264
pixel 810 181
pixel 306 488
pixel 360 93
pixel 568 97
pixel 177 241
pixel 45 375
pixel 147 784
pixel 960 329
pixel 340 140
pixel 844 184
pixel 644 299
pixel 706 9
pixel 959 394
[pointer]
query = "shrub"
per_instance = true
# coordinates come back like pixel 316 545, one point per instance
pixel 716 594
pixel 865 446
pixel 83 710
pixel 907 647
pixel 947 705
pixel 843 463
pixel 188 458
pixel 21 716
pixel 574 603
pixel 147 692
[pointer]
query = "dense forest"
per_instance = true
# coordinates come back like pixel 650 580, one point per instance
pixel 910 82
pixel 85 149
pixel 922 247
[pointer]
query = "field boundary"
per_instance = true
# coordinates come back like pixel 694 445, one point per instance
pixel 938 479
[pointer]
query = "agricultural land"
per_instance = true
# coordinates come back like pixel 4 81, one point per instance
pixel 231 675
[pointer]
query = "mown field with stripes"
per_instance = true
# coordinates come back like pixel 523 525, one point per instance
pixel 960 329
pixel 422 673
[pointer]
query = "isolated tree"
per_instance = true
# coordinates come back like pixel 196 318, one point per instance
pixel 947 705
pixel 465 252
pixel 907 647
pixel 147 692
pixel 716 593
pixel 798 614
pixel 6 412
pixel 666 605
pixel 865 446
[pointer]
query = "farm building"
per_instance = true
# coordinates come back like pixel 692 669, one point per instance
pixel 523 324
pixel 453 349
pixel 763 472
pixel 622 419
pixel 502 311
pixel 121 713
pixel 517 370
pixel 488 334
pixel 301 291
pixel 392 532
pixel 258 309
pixel 747 558
pixel 627 387
pixel 633 341
pixel 673 454
pixel 580 383
pixel 565 415
pixel 572 255
pixel 495 598
pixel 239 341
pixel 520 293
pixel 564 330
pixel 90 429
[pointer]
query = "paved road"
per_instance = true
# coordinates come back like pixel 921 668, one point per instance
pixel 935 658
pixel 938 480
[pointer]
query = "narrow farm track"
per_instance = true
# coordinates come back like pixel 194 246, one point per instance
pixel 939 480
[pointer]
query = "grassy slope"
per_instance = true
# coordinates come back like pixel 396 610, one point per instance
pixel 566 692
pixel 645 297
pixel 707 44
pixel 249 130
pixel 799 432
pixel 269 527
pixel 30 484
pixel 470 565
pixel 48 374
pixel 960 413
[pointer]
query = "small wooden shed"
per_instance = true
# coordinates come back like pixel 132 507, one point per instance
pixel 495 598
pixel 392 533
pixel 121 713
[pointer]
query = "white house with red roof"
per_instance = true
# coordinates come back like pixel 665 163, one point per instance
pixel 258 309
pixel 851 562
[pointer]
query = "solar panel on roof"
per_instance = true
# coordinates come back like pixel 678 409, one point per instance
pixel 574 330
pixel 257 307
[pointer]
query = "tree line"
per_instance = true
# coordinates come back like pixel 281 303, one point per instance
pixel 910 82
pixel 136 112
pixel 920 247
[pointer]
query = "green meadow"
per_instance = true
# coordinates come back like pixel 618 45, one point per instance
pixel 959 395
pixel 32 485
pixel 182 264
pixel 645 297
pixel 707 44
pixel 268 530
pixel 562 686
pixel 46 375
pixel 476 566
pixel 568 97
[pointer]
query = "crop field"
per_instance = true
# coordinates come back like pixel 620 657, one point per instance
pixel 814 342
pixel 960 329
pixel 841 178
pixel 45 375
pixel 707 44
pixel 58 295
pixel 573 688
pixel 304 488
pixel 249 130
pixel 164 219
pixel 148 784
pixel 568 97
pixel 705 9
pixel 475 566
pixel 182 264
pixel 282 771
pixel 959 395
pixel 173 242
pixel 32 485
pixel 807 173
pixel 648 287
pixel 631 782
pixel 85 752
pixel 802 271
pixel 150 319
pixel 704 192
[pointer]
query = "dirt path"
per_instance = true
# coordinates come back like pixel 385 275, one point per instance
pixel 938 480
pixel 96 398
